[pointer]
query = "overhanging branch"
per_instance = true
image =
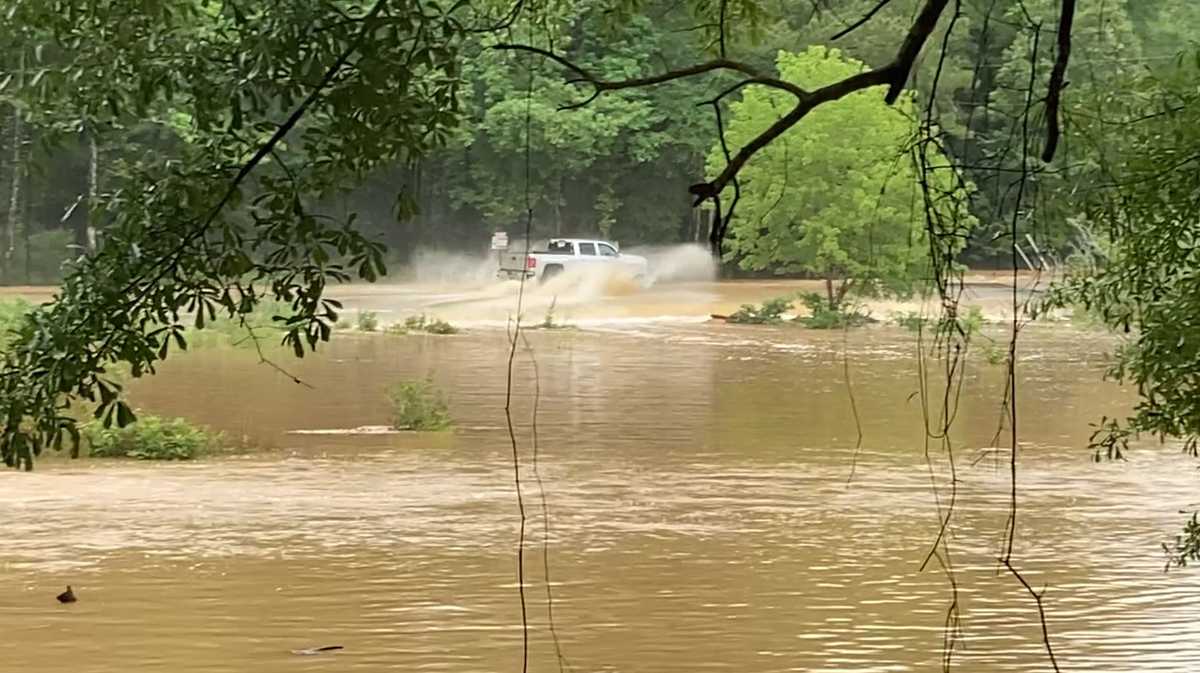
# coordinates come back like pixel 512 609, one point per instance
pixel 1057 74
pixel 894 75
pixel 600 85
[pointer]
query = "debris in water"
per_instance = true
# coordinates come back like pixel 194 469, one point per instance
pixel 360 430
pixel 317 650
pixel 67 596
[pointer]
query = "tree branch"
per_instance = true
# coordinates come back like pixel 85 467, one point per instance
pixel 827 94
pixel 1054 94
pixel 894 75
pixel 600 86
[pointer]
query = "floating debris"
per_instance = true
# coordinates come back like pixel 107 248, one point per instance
pixel 67 596
pixel 317 650
pixel 360 430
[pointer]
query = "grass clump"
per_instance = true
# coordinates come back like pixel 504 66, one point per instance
pixel 823 316
pixel 152 438
pixel 770 313
pixel 418 405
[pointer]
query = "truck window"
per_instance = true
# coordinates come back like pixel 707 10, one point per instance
pixel 607 250
pixel 587 249
pixel 560 248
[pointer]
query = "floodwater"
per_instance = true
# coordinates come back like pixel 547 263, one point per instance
pixel 703 515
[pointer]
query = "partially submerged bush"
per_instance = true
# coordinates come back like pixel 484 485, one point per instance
pixel 966 326
pixel 151 438
pixel 419 323
pixel 912 321
pixel 770 313
pixel 823 316
pixel 418 405
pixel 368 321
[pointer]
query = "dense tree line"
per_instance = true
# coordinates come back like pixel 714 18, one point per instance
pixel 620 166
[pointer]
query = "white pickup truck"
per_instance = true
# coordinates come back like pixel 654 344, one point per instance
pixel 546 259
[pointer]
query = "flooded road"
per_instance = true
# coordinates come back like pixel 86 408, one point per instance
pixel 701 515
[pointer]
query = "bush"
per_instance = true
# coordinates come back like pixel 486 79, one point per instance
pixel 419 323
pixel 151 438
pixel 418 405
pixel 368 321
pixel 912 321
pixel 822 316
pixel 972 322
pixel 770 313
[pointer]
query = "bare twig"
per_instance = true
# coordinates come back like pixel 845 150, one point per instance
pixel 1037 598
pixel 563 664
pixel 508 392
pixel 1011 525
pixel 858 441
pixel 599 86
pixel 252 335
pixel 865 18
pixel 721 25
pixel 1054 94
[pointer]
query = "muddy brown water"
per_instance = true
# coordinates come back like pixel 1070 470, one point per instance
pixel 700 514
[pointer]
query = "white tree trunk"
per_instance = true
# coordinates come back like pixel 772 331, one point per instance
pixel 13 223
pixel 85 233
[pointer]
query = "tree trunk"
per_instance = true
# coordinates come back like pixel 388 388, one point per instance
pixel 829 293
pixel 85 230
pixel 558 201
pixel 13 221
pixel 25 233
pixel 843 289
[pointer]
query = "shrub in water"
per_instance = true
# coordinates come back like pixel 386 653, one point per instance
pixel 417 405
pixel 822 316
pixel 911 321
pixel 151 438
pixel 440 327
pixel 419 323
pixel 770 313
pixel 368 321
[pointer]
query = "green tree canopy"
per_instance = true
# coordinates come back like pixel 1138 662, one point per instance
pixel 837 196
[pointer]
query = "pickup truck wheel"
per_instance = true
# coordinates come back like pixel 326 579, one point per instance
pixel 551 271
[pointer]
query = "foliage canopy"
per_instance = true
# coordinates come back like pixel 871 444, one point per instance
pixel 836 197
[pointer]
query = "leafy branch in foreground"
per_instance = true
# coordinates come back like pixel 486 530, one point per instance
pixel 1145 282
pixel 229 216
